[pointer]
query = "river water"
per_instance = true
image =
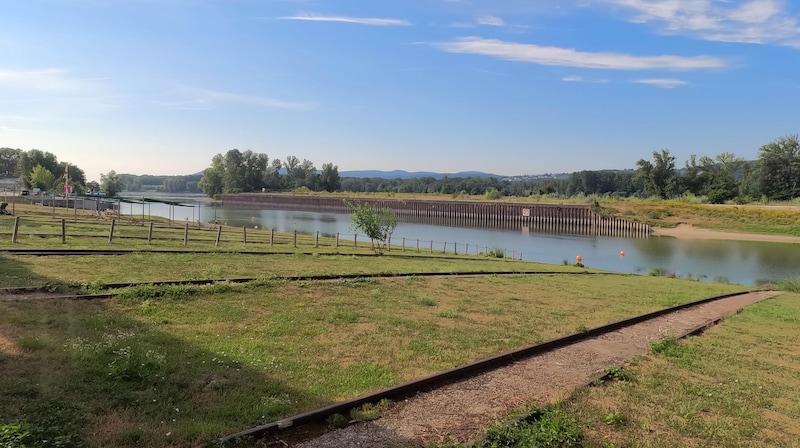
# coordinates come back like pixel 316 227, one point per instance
pixel 743 262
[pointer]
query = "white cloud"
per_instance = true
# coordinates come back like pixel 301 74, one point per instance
pixel 568 57
pixel 358 20
pixel 51 80
pixel 751 21
pixel 664 83
pixel 491 21
pixel 576 78
pixel 205 99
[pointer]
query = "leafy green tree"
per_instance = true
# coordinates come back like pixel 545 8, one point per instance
pixel 112 184
pixel 8 161
pixel 721 176
pixel 658 178
pixel 41 177
pixel 212 181
pixel 779 166
pixel 28 160
pixel 377 223
pixel 329 178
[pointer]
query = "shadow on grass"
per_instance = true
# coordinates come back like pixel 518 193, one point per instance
pixel 102 373
pixel 16 273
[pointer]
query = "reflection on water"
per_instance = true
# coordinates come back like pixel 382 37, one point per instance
pixel 744 262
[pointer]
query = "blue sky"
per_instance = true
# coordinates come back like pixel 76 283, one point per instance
pixel 510 87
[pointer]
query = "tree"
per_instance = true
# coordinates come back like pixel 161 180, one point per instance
pixel 722 172
pixel 212 180
pixel 27 161
pixel 112 184
pixel 41 177
pixel 779 165
pixel 658 178
pixel 8 161
pixel 329 178
pixel 377 223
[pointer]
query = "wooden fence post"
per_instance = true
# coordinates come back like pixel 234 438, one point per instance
pixel 337 240
pixel 417 244
pixel 186 233
pixel 15 232
pixel 295 238
pixel 111 231
pixel 271 236
pixel 150 233
pixel 63 231
pixel 219 235
pixel 404 244
pixel 244 234
pixel 355 241
pixel 316 240
pixel 455 248
pixel 444 248
pixel 431 246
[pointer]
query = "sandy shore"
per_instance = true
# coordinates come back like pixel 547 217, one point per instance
pixel 687 231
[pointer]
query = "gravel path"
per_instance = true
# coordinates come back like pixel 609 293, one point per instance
pixel 461 410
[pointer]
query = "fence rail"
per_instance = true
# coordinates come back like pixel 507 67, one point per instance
pixel 23 230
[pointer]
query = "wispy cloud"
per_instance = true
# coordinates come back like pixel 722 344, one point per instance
pixel 50 80
pixel 664 83
pixel 205 99
pixel 358 20
pixel 752 21
pixel 491 21
pixel 567 57
pixel 576 78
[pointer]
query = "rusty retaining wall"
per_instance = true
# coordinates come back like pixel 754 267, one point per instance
pixel 550 218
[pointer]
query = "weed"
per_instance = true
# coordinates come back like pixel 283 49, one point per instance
pixel 581 328
pixel 370 411
pixel 337 421
pixel 448 314
pixel 32 344
pixel 545 428
pixel 496 253
pixel 790 284
pixel 357 282
pixel 614 418
pixel 426 301
pixel 669 347
pixel 618 374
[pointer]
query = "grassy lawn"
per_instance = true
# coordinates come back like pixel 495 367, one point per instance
pixel 143 267
pixel 177 365
pixel 736 386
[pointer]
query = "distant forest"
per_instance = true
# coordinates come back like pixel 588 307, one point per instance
pixel 775 175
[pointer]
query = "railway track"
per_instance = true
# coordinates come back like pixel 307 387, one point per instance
pixel 686 319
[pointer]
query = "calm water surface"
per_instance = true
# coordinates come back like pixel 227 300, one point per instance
pixel 744 262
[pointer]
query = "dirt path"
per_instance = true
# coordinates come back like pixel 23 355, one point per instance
pixel 461 410
pixel 687 231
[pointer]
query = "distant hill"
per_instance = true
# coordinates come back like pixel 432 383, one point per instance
pixel 400 174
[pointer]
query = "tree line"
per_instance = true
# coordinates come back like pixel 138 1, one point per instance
pixel 775 175
pixel 42 170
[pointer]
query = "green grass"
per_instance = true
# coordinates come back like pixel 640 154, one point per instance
pixel 200 362
pixel 738 385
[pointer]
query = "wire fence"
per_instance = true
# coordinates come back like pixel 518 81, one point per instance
pixel 113 231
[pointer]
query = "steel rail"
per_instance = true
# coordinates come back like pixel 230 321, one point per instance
pixel 324 277
pixel 456 374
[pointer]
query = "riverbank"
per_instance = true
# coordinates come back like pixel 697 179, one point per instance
pixel 688 231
